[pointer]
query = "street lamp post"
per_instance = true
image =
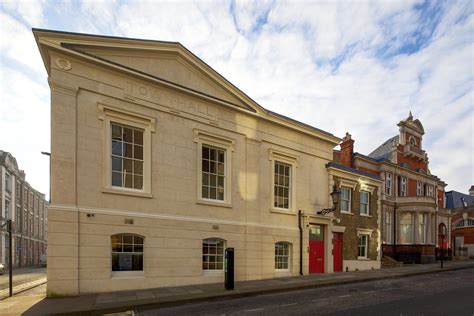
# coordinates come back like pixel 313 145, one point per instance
pixel 49 155
pixel 442 250
pixel 335 200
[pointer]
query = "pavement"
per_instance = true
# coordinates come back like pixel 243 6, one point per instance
pixel 23 279
pixel 102 303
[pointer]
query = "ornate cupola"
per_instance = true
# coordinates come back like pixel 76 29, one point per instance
pixel 411 135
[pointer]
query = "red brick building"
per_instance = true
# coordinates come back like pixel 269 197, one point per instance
pixel 28 210
pixel 413 221
pixel 462 209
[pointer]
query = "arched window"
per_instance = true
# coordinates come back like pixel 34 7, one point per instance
pixel 282 255
pixel 127 252
pixel 468 222
pixel 442 230
pixel 213 254
pixel 412 141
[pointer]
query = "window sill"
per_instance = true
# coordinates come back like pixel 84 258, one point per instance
pixel 127 274
pixel 346 213
pixel 213 272
pixel 127 192
pixel 363 259
pixel 282 211
pixel 214 203
pixel 366 215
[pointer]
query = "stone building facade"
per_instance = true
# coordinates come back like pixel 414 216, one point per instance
pixel 414 219
pixel 28 210
pixel 159 164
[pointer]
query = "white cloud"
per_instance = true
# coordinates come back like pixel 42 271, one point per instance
pixel 17 43
pixel 29 11
pixel 24 124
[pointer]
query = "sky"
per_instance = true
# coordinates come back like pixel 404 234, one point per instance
pixel 341 66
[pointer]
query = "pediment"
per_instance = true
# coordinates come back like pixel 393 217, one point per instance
pixel 414 125
pixel 169 66
pixel 169 62
pixel 10 162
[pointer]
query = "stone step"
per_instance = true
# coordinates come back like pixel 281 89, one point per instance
pixel 388 262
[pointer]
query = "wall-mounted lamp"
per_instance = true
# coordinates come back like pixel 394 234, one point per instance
pixel 335 200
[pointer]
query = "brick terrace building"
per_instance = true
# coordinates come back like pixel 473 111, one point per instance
pixel 412 199
pixel 356 234
pixel 28 211
pixel 462 209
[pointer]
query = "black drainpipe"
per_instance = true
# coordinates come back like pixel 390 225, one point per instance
pixel 301 242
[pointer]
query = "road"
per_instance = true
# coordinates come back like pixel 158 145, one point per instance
pixel 21 276
pixel 446 293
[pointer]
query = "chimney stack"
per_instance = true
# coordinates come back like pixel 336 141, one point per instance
pixel 347 150
pixel 471 190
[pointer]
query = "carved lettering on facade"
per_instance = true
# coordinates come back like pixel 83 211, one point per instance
pixel 179 103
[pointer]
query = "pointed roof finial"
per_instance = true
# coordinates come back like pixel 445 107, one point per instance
pixel 410 116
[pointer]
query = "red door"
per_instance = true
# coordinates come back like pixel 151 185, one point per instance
pixel 316 249
pixel 337 252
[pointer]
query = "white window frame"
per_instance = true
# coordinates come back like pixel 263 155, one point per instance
pixel 411 231
pixel 419 188
pixel 388 183
pixel 292 161
pixel 422 228
pixel 290 175
pixel 209 174
pixel 111 115
pixel 227 144
pixel 403 186
pixel 8 209
pixel 468 222
pixel 213 271
pixel 388 227
pixel 127 273
pixel 121 157
pixel 349 201
pixel 366 254
pixel 288 257
pixel 430 192
pixel 362 192
pixel 8 182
